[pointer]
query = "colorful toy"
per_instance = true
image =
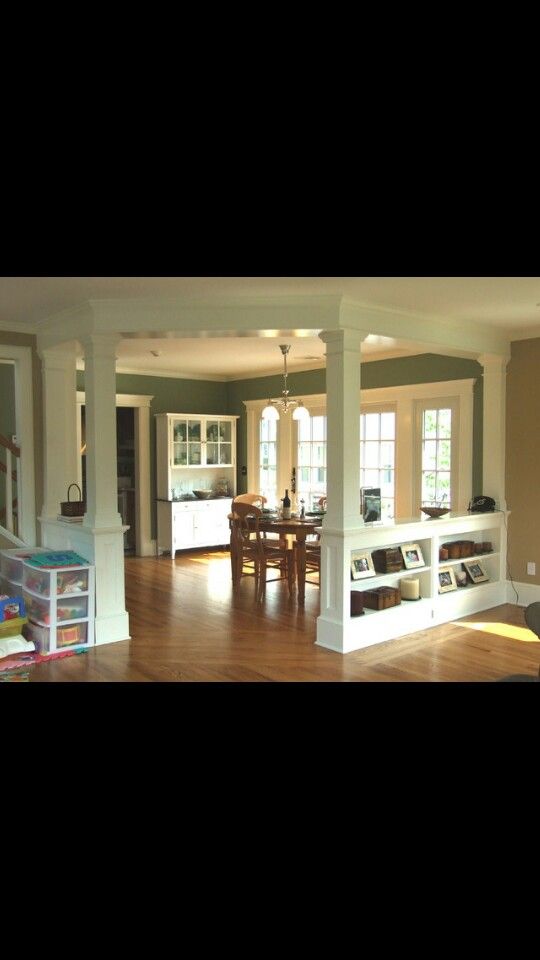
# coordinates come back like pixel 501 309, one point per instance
pixel 11 607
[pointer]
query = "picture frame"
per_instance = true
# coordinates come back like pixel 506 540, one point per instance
pixel 361 565
pixel 370 504
pixel 412 555
pixel 447 579
pixel 475 571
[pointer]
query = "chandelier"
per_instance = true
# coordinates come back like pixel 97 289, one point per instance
pixel 283 402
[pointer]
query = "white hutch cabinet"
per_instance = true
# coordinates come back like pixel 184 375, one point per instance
pixel 194 452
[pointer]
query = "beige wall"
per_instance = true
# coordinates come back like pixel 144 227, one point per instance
pixel 523 459
pixel 27 340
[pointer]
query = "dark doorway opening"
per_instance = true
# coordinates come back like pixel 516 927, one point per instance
pixel 125 454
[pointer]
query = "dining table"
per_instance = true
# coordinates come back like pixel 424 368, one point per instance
pixel 300 529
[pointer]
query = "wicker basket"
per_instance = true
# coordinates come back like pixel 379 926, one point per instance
pixel 73 508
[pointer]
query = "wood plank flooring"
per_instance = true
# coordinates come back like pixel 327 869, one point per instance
pixel 188 625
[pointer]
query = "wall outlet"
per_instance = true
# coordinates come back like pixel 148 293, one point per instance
pixel 531 569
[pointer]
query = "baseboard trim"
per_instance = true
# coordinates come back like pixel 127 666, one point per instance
pixel 527 593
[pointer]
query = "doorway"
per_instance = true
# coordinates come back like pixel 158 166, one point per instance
pixel 125 456
pixel 133 454
pixel 125 471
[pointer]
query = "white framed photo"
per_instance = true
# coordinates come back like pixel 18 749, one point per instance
pixel 475 571
pixel 412 555
pixel 447 579
pixel 361 565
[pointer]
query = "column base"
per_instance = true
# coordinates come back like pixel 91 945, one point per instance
pixel 112 629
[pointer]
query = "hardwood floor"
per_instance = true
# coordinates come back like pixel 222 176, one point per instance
pixel 187 624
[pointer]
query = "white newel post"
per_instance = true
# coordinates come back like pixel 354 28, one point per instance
pixel 494 402
pixel 343 483
pixel 59 426
pixel 102 522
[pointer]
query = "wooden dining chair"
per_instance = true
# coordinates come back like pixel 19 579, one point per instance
pixel 255 499
pixel 313 558
pixel 249 546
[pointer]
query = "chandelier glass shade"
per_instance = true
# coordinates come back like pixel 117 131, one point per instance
pixel 284 402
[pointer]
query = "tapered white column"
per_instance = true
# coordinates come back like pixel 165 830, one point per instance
pixel 494 439
pixel 343 486
pixel 343 426
pixel 101 459
pixel 59 426
pixel 102 524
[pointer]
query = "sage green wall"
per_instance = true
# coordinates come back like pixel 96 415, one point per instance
pixel 426 368
pixel 169 396
pixel 7 399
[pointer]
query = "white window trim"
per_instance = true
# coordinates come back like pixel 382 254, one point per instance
pixel 407 440
pixel 24 427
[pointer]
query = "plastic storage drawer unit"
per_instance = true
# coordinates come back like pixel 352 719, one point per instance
pixel 11 562
pixel 76 634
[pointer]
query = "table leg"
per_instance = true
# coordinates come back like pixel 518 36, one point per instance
pixel 301 568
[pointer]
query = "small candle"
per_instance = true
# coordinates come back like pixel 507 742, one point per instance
pixel 410 589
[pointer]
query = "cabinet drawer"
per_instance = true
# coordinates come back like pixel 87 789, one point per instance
pixel 67 581
pixel 76 634
pixel 43 610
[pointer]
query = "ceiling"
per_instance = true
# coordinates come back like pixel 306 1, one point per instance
pixel 511 304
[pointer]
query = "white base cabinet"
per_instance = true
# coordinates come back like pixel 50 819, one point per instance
pixel 338 630
pixel 193 523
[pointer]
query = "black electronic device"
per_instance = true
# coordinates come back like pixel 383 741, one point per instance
pixel 370 504
pixel 482 504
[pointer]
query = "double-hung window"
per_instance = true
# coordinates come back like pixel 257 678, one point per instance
pixel 377 455
pixel 311 460
pixel 268 460
pixel 437 428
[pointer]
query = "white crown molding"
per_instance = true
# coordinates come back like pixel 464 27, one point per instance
pixel 425 328
pixel 166 374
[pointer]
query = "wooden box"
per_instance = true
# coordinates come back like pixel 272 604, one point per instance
pixel 459 548
pixel 388 560
pixel 454 550
pixel 357 603
pixel 381 597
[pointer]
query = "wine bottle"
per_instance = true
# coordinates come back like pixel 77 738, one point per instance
pixel 286 506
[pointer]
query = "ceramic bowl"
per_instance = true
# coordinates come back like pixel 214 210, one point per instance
pixel 203 494
pixel 435 512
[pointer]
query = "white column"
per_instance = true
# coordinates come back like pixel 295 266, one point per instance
pixel 343 485
pixel 59 426
pixel 102 524
pixel 144 545
pixel 404 453
pixel 343 426
pixel 494 441
pixel 100 400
